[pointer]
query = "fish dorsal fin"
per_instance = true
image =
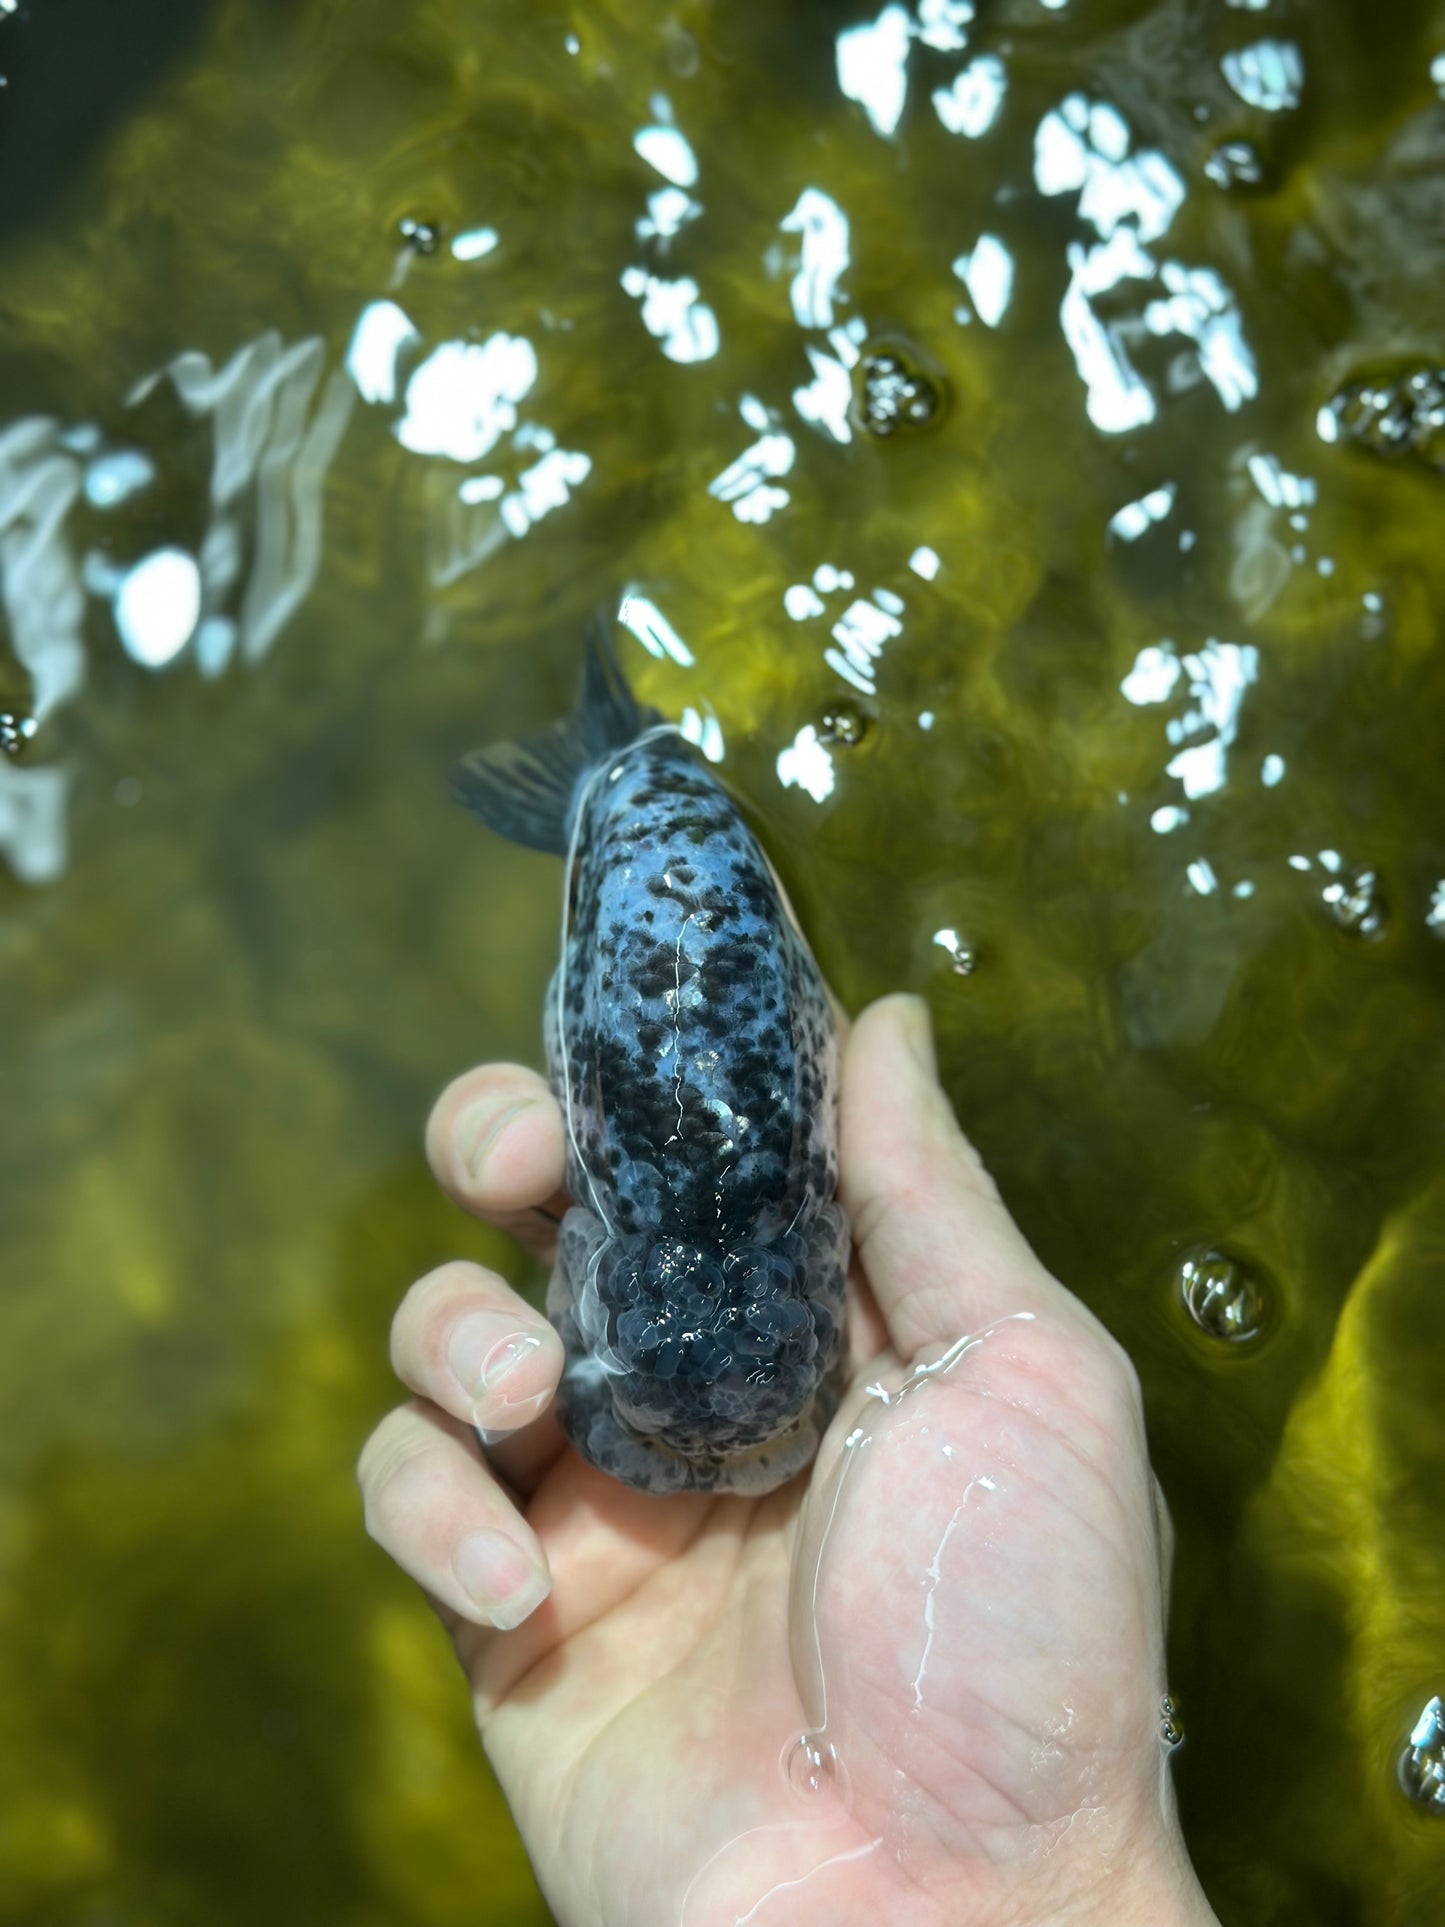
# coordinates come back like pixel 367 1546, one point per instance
pixel 525 790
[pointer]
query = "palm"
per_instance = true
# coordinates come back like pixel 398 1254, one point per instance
pixel 972 1656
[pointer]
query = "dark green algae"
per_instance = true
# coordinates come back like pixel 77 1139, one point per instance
pixel 273 939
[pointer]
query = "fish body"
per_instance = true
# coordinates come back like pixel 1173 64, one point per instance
pixel 699 1281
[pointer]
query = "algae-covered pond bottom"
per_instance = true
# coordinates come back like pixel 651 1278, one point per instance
pixel 1020 429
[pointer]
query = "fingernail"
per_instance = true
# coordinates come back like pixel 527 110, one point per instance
pixel 505 1582
pixel 479 1129
pixel 485 1351
pixel 915 1021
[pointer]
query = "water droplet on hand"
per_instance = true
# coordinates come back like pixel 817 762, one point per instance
pixel 1171 1727
pixel 893 393
pixel 813 1766
pixel 1355 903
pixel 1422 1764
pixel 1220 1295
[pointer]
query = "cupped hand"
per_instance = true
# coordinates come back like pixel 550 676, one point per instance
pixel 920 1683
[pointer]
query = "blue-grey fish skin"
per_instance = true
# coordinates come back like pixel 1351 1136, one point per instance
pixel 699 1283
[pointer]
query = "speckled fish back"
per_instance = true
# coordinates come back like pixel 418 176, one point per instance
pixel 700 1276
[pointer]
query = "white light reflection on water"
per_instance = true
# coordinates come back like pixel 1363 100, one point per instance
pixel 1269 75
pixel 667 151
pixel 872 59
pixel 1136 518
pixel 1201 308
pixel 668 212
pixel 823 230
pixel 464 396
pixel 988 274
pixel 640 615
pixel 1156 670
pixel 266 431
pixel 806 765
pixel 1277 486
pixel 941 24
pixel 873 66
pixel 972 104
pixel 157 607
pixel 40 481
pixel 674 313
pixel 703 732
pixel 113 479
pixel 861 634
pixel 381 332
pixel 827 398
pixel 475 244
pixel 750 484
pixel 33 821
pixel 1219 674
pixel 1131 200
pixel 547 485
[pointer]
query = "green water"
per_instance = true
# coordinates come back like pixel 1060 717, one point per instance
pixel 251 939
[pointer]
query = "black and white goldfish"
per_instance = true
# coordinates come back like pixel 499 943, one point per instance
pixel 699 1281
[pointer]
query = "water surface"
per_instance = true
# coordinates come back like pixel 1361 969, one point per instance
pixel 342 374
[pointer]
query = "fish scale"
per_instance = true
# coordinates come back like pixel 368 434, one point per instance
pixel 699 1281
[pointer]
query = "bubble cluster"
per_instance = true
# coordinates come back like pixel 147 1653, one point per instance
pixel 721 1348
pixel 893 394
pixel 422 237
pixel 17 726
pixel 1221 1295
pixel 1399 418
pixel 1422 1764
pixel 843 723
pixel 1355 903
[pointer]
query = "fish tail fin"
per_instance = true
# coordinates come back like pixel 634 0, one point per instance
pixel 525 790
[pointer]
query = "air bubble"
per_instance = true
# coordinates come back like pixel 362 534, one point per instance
pixel 1221 1295
pixel 843 723
pixel 1171 1727
pixel 961 955
pixel 1403 417
pixel 812 1766
pixel 1235 164
pixel 17 726
pixel 893 393
pixel 1355 903
pixel 1422 1764
pixel 422 237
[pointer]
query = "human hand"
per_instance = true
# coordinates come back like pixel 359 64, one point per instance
pixel 961 1605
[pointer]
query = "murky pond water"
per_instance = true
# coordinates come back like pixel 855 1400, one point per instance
pixel 1020 430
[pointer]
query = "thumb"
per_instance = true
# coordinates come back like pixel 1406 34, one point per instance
pixel 941 1252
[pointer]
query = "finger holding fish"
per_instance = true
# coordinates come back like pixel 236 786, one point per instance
pixel 496 1143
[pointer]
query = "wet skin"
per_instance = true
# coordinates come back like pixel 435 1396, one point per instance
pixel 994 1669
